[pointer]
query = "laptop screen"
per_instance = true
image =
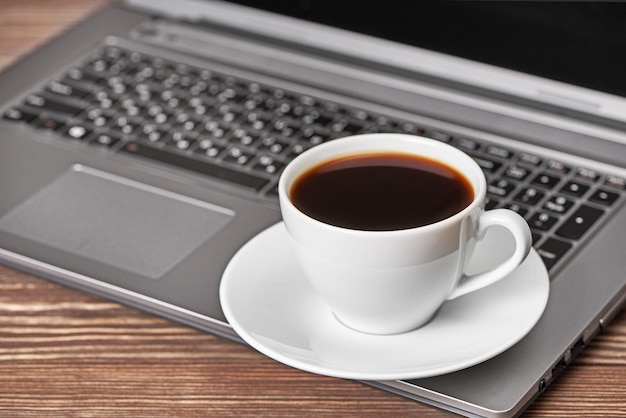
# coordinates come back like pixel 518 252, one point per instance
pixel 581 43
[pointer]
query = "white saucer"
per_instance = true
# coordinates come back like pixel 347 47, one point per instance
pixel 273 308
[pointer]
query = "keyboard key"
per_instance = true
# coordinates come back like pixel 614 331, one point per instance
pixel 273 145
pixel 615 182
pixel 202 167
pixel 78 74
pixel 104 140
pixel 466 144
pixel 64 88
pixel 257 120
pixel 314 116
pixel 499 152
pixel 52 105
pixel 411 129
pixel 99 117
pixel 604 197
pixel 574 188
pixel 522 211
pixel 244 137
pixel 558 204
pixel 349 126
pixel 17 114
pixel 296 150
pixel 314 135
pixel 181 143
pixel 516 172
pixel 153 133
pixel 285 127
pixel 552 250
pixel 439 136
pixel 529 196
pixel 546 180
pixel 239 156
pixel 209 148
pixel 579 222
pixel 557 167
pixel 500 188
pixel 491 203
pixel 488 165
pixel 268 164
pixel 530 159
pixel 542 221
pixel 77 131
pixel 215 129
pixel 125 125
pixel 587 174
pixel 384 124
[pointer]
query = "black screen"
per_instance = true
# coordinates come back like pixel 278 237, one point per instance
pixel 582 43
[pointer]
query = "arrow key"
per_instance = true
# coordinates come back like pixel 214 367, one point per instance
pixel 579 222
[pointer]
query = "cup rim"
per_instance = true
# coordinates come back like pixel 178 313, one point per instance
pixel 478 182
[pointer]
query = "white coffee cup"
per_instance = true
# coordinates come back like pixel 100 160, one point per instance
pixel 394 281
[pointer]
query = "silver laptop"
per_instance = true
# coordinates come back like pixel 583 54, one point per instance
pixel 140 149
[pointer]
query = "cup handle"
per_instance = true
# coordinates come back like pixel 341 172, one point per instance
pixel 518 227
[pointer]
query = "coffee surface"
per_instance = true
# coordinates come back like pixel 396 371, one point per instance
pixel 381 191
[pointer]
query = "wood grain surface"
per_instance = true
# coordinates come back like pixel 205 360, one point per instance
pixel 67 353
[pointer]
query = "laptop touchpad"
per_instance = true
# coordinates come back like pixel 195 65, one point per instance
pixel 116 221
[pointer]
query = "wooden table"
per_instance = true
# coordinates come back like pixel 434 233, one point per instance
pixel 66 353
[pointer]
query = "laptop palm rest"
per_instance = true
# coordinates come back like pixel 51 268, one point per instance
pixel 116 221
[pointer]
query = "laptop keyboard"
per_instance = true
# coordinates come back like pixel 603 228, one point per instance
pixel 245 132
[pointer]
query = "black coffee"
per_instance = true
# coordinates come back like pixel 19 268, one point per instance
pixel 381 191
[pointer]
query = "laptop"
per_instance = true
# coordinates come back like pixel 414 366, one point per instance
pixel 140 149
